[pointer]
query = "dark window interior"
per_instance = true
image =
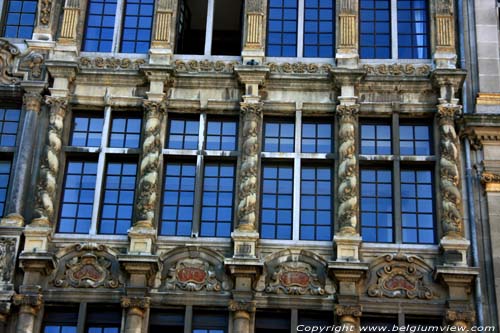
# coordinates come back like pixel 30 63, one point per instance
pixel 166 320
pixel 272 322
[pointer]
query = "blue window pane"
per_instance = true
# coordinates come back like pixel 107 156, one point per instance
pixel 183 134
pixel 376 139
pixel 138 22
pixel 20 19
pixel 282 19
pixel 415 140
pixel 375 29
pixel 78 196
pixel 221 135
pixel 116 211
pixel 279 137
pixel 217 202
pixel 277 202
pixel 413 37
pixel 98 34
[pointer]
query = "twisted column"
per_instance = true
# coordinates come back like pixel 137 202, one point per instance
pixel 451 216
pixel 150 165
pixel 136 309
pixel 247 192
pixel 347 172
pixel 47 183
pixel 30 305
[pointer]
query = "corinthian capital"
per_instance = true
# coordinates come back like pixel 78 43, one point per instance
pixel 253 108
pixel 348 310
pixel 135 302
pixel 448 112
pixel 241 305
pixel 154 107
pixel 33 300
pixel 57 105
pixel 349 111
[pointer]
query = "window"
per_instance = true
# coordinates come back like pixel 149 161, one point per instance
pixel 297 179
pixel 209 321
pixel 199 203
pixel 19 18
pixel 205 28
pixel 60 319
pixel 132 34
pixel 167 320
pixel 88 318
pixel 396 194
pixel 293 32
pixel 273 321
pixel 189 319
pixel 9 125
pixel 101 167
pixel 382 20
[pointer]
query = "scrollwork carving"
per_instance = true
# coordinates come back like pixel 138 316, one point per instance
pixel 88 266
pixel 149 170
pixel 47 183
pixel 299 68
pixel 398 69
pixel 194 66
pixel 295 278
pixel 110 63
pixel 347 192
pixel 488 177
pixel 400 276
pixel 247 192
pixel 8 52
pixel 452 221
pixel 33 64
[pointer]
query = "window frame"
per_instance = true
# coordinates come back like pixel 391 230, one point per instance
pixel 4 10
pixel 200 157
pixel 118 27
pixel 397 163
pixel 394 48
pixel 297 159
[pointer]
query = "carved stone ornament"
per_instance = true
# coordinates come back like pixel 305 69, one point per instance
pixel 295 272
pixel 247 192
pixel 33 63
pixel 32 101
pixel 135 302
pixel 299 68
pixel 7 258
pixel 8 52
pixel 247 306
pixel 347 172
pixel 488 177
pixel 47 182
pixel 88 266
pixel 150 164
pixel 398 70
pixel 451 220
pixel 197 269
pixel 110 63
pixel 454 316
pixel 348 310
pixel 400 276
pixel 33 300
pixel 46 7
pixel 194 66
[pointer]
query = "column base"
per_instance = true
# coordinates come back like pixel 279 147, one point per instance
pixel 347 247
pixel 455 251
pixel 160 56
pixel 141 240
pixel 245 243
pixel 36 238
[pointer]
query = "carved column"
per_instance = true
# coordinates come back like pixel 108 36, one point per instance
pixel 29 306
pixel 349 317
pixel 445 55
pixel 242 315
pixel 347 51
pixel 149 179
pixel 450 185
pixel 4 315
pixel 23 164
pixel 347 238
pixel 136 310
pixel 254 45
pixel 70 22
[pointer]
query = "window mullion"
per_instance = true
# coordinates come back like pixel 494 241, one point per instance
pixel 394 29
pixel 100 170
pixel 396 180
pixel 210 26
pixel 118 25
pixel 200 161
pixel 300 29
pixel 296 177
pixel 82 314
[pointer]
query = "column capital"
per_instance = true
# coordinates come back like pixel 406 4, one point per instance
pixel 491 181
pixel 31 300
pixel 32 101
pixel 347 112
pixel 448 112
pixel 348 310
pixel 462 318
pixel 242 305
pixel 142 303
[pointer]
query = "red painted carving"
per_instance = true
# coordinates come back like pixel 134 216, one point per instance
pixel 88 271
pixel 399 282
pixel 191 274
pixel 299 279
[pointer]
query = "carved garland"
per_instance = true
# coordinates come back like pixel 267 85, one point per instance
pixel 348 198
pixel 449 173
pixel 398 69
pixel 249 166
pixel 204 66
pixel 110 63
pixel 148 184
pixel 47 184
pixel 299 68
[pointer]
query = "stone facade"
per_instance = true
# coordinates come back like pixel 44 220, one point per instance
pixel 144 275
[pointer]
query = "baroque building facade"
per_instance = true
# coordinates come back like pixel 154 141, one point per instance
pixel 248 166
